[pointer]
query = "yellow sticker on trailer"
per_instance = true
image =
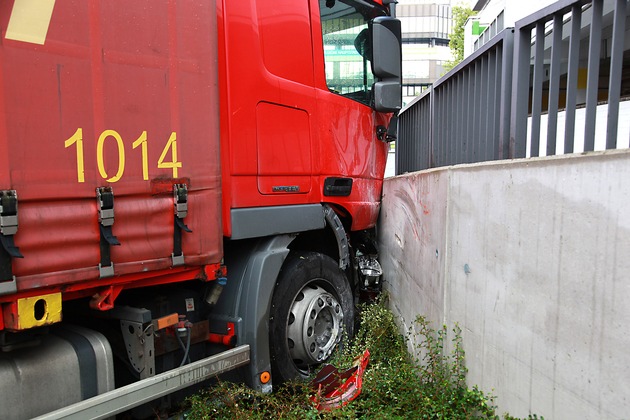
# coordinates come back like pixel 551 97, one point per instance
pixel 29 20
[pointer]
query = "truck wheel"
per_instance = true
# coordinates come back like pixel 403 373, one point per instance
pixel 311 308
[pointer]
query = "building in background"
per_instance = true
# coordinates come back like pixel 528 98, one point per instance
pixel 426 25
pixel 495 15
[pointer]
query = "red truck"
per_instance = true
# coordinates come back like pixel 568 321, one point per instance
pixel 186 187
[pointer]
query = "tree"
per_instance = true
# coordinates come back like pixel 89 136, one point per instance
pixel 456 43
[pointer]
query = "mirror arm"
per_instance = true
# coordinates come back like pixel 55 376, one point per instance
pixel 392 7
pixel 390 133
pixel 392 129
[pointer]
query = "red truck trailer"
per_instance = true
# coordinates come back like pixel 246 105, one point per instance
pixel 186 187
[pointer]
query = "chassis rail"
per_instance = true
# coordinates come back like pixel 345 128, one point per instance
pixel 138 393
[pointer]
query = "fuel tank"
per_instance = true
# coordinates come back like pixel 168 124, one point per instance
pixel 65 366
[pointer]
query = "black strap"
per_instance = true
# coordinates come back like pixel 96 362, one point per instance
pixel 6 266
pixel 177 236
pixel 88 372
pixel 105 200
pixel 107 239
pixel 181 211
pixel 9 246
pixel 8 224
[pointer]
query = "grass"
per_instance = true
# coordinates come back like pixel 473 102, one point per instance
pixel 395 385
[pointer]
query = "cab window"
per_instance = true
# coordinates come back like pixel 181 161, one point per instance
pixel 347 52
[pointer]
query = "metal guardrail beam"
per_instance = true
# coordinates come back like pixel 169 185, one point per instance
pixel 122 399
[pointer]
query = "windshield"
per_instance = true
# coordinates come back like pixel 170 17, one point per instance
pixel 347 49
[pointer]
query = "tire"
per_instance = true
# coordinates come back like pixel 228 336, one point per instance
pixel 312 309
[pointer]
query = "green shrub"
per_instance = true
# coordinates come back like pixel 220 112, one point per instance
pixel 395 384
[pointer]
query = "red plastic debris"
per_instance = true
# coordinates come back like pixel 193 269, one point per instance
pixel 337 388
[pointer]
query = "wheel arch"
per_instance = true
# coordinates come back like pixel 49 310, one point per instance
pixel 254 265
pixel 332 240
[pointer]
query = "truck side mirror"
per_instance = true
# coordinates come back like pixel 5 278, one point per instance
pixel 387 64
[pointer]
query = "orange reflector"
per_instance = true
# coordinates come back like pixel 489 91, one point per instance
pixel 265 377
pixel 165 321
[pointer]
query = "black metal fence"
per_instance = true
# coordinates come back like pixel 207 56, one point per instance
pixel 517 96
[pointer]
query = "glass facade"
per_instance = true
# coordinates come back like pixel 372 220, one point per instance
pixel 426 27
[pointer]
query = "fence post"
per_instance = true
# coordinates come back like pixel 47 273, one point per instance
pixel 507 65
pixel 520 92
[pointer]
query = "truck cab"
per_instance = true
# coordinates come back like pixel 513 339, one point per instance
pixel 300 125
pixel 304 144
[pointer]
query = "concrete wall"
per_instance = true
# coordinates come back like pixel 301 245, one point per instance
pixel 532 259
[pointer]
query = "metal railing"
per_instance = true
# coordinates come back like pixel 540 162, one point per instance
pixel 519 94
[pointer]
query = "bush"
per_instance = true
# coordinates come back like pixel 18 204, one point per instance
pixel 395 385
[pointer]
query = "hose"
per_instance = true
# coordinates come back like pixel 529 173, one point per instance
pixel 185 348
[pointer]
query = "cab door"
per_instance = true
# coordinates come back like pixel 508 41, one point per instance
pixel 283 115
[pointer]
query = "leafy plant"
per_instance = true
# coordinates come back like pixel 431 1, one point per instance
pixel 395 384
pixel 529 417
pixel 461 13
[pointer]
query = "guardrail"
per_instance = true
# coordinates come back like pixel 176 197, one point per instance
pixel 519 94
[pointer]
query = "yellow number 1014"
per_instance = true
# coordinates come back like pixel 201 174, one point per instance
pixel 141 142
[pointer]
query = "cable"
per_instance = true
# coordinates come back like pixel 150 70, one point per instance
pixel 185 348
